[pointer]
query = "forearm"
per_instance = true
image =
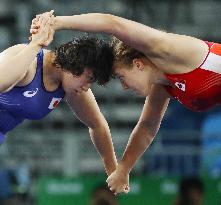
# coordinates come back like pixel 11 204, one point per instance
pixel 101 138
pixel 139 36
pixel 13 69
pixel 139 141
pixel 93 22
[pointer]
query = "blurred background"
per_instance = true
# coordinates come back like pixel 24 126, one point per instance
pixel 54 162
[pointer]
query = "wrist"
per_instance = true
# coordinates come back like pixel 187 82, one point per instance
pixel 57 25
pixel 123 167
pixel 110 166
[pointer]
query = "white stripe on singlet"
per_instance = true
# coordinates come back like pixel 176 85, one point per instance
pixel 212 63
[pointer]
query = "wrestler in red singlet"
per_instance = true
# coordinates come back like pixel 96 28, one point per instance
pixel 199 89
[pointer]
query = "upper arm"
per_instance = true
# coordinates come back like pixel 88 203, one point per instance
pixel 9 78
pixel 141 37
pixel 154 108
pixel 165 50
pixel 85 107
pixel 10 52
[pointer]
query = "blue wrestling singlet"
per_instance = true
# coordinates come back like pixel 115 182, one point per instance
pixel 31 102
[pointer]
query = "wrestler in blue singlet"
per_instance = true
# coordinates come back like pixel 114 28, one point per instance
pixel 31 102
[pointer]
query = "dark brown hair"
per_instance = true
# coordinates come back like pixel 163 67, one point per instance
pixel 86 52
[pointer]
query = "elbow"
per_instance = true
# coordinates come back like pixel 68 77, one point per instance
pixel 112 23
pixel 4 87
pixel 98 124
pixel 7 82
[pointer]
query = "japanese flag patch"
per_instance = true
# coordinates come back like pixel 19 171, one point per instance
pixel 181 86
pixel 54 103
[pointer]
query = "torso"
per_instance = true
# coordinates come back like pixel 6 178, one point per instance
pixel 29 99
pixel 49 84
pixel 199 89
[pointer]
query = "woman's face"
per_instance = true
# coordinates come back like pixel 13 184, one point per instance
pixel 137 77
pixel 79 83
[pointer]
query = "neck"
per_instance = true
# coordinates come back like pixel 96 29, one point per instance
pixel 161 79
pixel 50 69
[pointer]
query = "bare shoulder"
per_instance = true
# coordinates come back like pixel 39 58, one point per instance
pixel 170 52
pixel 13 50
pixel 187 45
pixel 181 53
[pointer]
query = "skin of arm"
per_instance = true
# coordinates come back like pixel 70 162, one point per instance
pixel 172 53
pixel 86 109
pixel 141 137
pixel 147 126
pixel 14 63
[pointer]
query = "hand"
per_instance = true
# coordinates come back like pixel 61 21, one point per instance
pixel 35 22
pixel 42 33
pixel 118 181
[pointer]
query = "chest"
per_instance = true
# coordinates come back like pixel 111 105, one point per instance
pixel 29 102
pixel 198 90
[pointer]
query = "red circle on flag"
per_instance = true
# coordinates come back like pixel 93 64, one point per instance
pixel 55 104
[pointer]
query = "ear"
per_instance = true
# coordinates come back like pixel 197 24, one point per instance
pixel 138 63
pixel 57 65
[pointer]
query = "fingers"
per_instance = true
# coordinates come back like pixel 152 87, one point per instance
pixel 48 14
pixel 44 19
pixel 118 182
pixel 117 188
pixel 44 34
pixel 50 35
pixel 40 20
pixel 43 25
pixel 34 25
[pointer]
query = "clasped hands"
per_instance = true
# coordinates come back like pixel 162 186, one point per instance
pixel 118 181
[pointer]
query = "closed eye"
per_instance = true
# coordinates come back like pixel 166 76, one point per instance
pixel 121 78
pixel 91 79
